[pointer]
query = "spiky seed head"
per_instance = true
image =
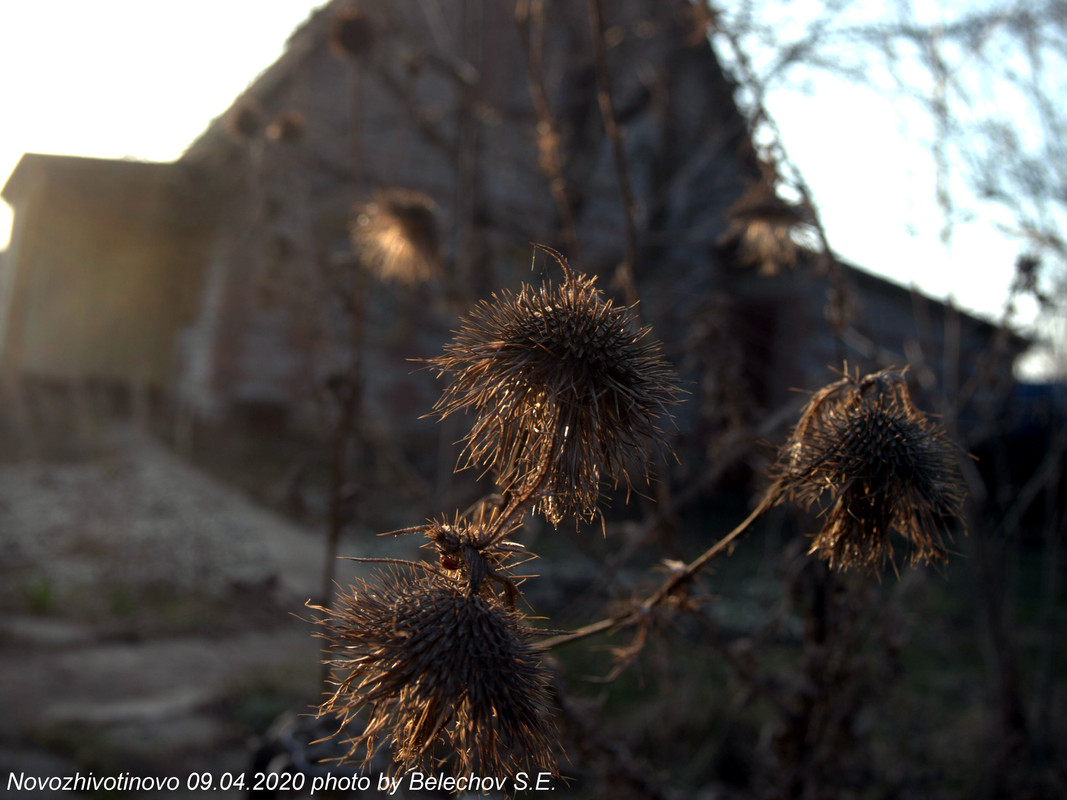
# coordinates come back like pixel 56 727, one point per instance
pixel 287 128
pixel 396 236
pixel 557 376
pixel 456 543
pixel 352 33
pixel 469 551
pixel 870 461
pixel 434 666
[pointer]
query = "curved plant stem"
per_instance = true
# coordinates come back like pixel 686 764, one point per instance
pixel 669 586
pixel 518 507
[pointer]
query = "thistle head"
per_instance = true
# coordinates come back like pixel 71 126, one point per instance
pixel 396 236
pixel 870 461
pixel 434 665
pixel 565 388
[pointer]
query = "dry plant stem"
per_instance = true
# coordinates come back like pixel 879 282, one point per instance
pixel 349 397
pixel 356 130
pixel 669 586
pixel 518 507
pixel 531 21
pixel 468 175
pixel 625 274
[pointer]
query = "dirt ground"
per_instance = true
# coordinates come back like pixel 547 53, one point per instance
pixel 149 618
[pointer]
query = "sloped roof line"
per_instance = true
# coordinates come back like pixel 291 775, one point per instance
pixel 301 44
pixel 311 35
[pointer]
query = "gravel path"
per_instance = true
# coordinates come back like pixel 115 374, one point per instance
pixel 141 517
pixel 147 614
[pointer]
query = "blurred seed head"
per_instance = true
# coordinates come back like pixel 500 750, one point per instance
pixel 433 666
pixel 352 33
pixel 287 128
pixel 396 236
pixel 560 376
pixel 870 461
pixel 244 121
pixel 548 149
pixel 761 228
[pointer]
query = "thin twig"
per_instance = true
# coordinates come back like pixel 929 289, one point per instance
pixel 670 586
pixel 625 273
pixel 531 21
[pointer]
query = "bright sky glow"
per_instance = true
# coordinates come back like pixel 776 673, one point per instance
pixel 873 180
pixel 129 78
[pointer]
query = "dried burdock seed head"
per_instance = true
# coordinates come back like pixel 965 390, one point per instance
pixel 352 33
pixel 396 236
pixel 761 228
pixel 475 552
pixel 287 128
pixel 244 121
pixel 565 388
pixel 870 461
pixel 433 666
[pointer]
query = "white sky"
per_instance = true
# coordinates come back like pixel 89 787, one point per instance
pixel 142 78
pixel 128 78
